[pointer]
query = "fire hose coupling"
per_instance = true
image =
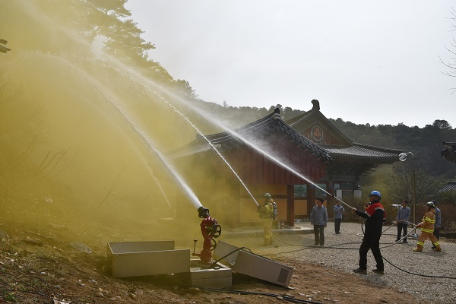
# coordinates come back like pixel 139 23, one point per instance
pixel 203 212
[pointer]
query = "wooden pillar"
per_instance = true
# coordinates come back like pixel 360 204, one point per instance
pixel 236 208
pixel 310 198
pixel 330 199
pixel 290 206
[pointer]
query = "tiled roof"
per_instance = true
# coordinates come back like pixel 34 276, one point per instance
pixel 309 118
pixel 451 186
pixel 363 153
pixel 252 132
pixel 348 150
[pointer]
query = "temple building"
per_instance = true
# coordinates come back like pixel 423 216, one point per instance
pixel 350 160
pixel 294 161
pixel 266 155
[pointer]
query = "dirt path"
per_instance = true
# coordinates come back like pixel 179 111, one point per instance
pixel 53 272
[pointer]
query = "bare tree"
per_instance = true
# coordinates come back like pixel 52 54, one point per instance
pixel 451 64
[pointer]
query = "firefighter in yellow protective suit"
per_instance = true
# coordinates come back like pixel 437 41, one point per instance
pixel 266 214
pixel 427 229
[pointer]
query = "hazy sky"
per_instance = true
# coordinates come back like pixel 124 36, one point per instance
pixel 366 61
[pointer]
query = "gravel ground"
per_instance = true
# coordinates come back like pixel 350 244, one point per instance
pixel 405 270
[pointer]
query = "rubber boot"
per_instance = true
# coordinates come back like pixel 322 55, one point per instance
pixel 419 248
pixel 437 247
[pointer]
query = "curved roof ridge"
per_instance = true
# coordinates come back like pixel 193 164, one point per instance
pixel 314 114
pixel 225 135
pixel 260 128
pixel 377 148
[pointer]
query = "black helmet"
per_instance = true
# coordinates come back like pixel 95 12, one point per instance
pixel 430 204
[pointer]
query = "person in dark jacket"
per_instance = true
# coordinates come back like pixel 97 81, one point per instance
pixel 438 223
pixel 338 210
pixel 375 216
pixel 266 214
pixel 319 219
pixel 402 220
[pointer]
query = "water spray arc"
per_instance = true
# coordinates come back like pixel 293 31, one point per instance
pixel 111 100
pixel 250 144
pixel 75 37
pixel 210 143
pixel 161 157
pixel 272 158
pixel 247 142
pixel 136 76
pixel 163 99
pixel 235 134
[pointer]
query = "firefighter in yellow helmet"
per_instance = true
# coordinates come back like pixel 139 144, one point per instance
pixel 266 214
pixel 427 229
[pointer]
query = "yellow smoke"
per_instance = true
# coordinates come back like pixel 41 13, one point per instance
pixel 77 130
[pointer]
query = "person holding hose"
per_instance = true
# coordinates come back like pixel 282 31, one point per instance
pixel 375 216
pixel 266 214
pixel 427 229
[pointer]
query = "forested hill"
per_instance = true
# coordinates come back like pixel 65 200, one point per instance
pixel 425 143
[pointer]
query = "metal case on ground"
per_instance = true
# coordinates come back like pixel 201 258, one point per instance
pixel 133 259
pixel 253 265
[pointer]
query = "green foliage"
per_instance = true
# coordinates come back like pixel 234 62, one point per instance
pixel 407 184
pixel 400 182
pixel 425 143
pixel 7 296
pixel 447 197
pixel 378 180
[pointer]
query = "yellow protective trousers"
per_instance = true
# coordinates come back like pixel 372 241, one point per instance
pixel 423 237
pixel 267 226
